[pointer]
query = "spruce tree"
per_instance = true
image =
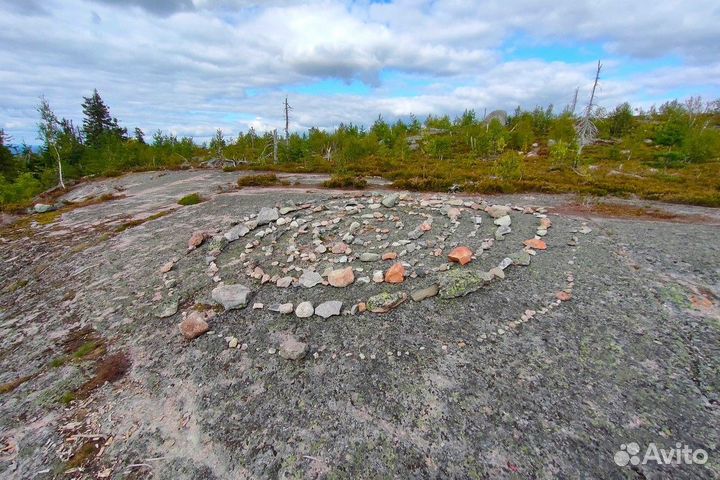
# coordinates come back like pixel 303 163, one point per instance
pixel 97 121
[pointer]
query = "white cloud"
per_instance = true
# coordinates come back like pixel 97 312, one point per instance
pixel 185 65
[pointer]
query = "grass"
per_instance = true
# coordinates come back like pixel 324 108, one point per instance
pixel 346 181
pixel 263 180
pixel 192 199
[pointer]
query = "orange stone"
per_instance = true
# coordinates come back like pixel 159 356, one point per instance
pixel 389 256
pixel 341 278
pixel 461 255
pixel 425 227
pixel 196 239
pixel 193 326
pixel 563 296
pixel 535 243
pixel 396 274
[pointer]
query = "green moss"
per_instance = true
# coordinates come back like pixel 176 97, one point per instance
pixel 675 295
pixel 192 199
pixel 459 282
pixel 67 397
pixel 85 349
pixel 58 362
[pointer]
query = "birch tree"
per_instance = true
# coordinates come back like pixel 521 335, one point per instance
pixel 49 131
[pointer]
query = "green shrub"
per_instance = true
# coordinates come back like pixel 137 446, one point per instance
pixel 263 180
pixel 192 199
pixel 701 145
pixel 345 181
pixel 508 166
pixel 562 153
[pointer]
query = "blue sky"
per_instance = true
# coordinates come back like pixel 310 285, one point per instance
pixel 192 66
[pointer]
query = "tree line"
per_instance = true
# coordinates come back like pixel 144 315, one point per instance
pixel 682 133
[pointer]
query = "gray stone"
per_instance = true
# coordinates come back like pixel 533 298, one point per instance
pixel 369 257
pixel 309 279
pixel 503 221
pixel 459 282
pixel 42 208
pixel 384 302
pixel 506 262
pixel 167 309
pixel 283 308
pixel 304 310
pixel 521 258
pixel 231 296
pixel 423 293
pixel 329 309
pixel 287 209
pixel 293 349
pixel 497 211
pixel 236 232
pixel 415 234
pixel 217 245
pixel 501 232
pixel 267 215
pixel 389 201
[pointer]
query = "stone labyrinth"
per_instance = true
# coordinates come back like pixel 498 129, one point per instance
pixel 412 248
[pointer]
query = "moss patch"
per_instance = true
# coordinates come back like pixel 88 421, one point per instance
pixel 192 199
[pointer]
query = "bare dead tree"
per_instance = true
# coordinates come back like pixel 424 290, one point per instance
pixel 328 153
pixel 585 128
pixel 275 146
pixel 571 107
pixel 287 120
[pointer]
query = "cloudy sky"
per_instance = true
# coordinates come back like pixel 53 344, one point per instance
pixel 192 66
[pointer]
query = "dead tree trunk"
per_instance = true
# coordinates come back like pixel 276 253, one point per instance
pixel 586 129
pixel 287 120
pixel 275 146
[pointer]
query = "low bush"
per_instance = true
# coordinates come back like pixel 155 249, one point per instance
pixel 263 180
pixel 345 181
